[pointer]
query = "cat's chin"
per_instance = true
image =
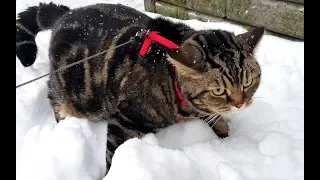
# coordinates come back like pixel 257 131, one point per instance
pixel 228 110
pixel 234 111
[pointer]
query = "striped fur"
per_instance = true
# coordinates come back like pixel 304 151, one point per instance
pixel 136 95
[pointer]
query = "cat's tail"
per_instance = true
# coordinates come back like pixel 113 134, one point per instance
pixel 29 23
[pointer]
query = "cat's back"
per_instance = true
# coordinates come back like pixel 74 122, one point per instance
pixel 92 26
pixel 106 16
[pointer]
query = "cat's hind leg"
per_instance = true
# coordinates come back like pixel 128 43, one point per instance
pixel 117 135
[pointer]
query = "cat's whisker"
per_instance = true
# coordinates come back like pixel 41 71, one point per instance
pixel 207 121
pixel 259 98
pixel 203 122
pixel 209 118
pixel 212 118
pixel 210 121
pixel 192 117
pixel 217 119
pixel 266 98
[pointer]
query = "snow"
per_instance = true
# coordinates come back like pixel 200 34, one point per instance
pixel 266 140
pixel 273 144
pixel 73 146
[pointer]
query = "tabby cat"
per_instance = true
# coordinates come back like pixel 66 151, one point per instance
pixel 215 71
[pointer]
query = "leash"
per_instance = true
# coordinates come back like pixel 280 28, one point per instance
pixel 72 64
pixel 132 39
pixel 149 38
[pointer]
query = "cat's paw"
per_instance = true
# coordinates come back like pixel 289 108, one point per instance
pixel 222 135
pixel 221 128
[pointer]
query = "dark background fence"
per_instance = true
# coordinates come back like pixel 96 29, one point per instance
pixel 279 17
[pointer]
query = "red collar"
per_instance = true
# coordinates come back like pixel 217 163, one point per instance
pixel 153 36
pixel 180 95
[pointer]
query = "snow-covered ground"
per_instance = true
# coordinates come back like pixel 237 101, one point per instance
pixel 266 141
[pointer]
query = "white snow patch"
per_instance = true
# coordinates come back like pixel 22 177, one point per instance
pixel 226 172
pixel 273 144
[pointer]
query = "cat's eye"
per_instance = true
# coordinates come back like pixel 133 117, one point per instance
pixel 248 83
pixel 218 91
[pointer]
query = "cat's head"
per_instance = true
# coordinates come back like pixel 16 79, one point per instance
pixel 217 70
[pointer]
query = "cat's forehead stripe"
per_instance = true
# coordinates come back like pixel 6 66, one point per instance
pixel 234 41
pixel 225 39
pixel 229 51
pixel 202 39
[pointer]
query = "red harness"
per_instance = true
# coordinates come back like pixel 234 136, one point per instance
pixel 153 36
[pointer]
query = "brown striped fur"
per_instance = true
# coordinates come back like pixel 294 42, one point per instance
pixel 134 94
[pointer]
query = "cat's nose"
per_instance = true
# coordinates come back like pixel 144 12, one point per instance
pixel 239 105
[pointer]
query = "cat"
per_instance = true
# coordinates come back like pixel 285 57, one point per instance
pixel 213 72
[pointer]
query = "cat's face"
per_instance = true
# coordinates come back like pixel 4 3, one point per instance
pixel 217 70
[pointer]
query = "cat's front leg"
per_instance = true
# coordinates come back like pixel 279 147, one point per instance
pixel 220 127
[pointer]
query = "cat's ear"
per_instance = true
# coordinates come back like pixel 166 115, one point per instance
pixel 252 37
pixel 188 55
